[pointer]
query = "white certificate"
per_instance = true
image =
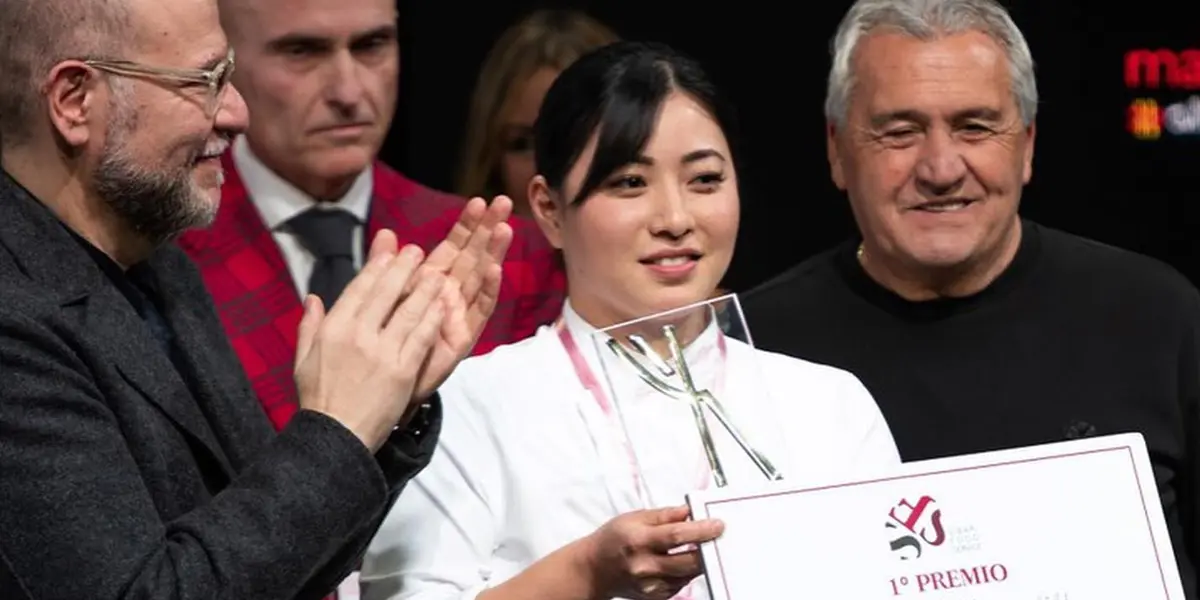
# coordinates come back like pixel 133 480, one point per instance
pixel 1078 520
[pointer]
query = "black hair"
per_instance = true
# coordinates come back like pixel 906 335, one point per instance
pixel 617 90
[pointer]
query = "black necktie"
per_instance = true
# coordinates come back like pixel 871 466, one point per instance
pixel 329 235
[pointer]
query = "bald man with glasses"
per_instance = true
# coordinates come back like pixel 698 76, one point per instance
pixel 135 460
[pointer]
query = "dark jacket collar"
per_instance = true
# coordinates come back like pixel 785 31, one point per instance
pixel 46 252
pixel 42 246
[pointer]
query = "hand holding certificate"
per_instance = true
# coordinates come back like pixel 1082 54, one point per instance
pixel 1077 520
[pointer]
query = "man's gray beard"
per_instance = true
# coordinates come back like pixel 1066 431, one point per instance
pixel 157 205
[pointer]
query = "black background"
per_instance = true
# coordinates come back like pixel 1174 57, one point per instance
pixel 1091 176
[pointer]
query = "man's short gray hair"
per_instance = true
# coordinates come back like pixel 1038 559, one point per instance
pixel 927 20
pixel 35 35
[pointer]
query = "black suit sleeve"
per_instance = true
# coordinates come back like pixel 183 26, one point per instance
pixel 77 520
pixel 406 453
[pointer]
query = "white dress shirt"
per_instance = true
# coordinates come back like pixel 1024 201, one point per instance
pixel 277 201
pixel 528 461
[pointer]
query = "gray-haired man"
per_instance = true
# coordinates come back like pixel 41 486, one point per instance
pixel 973 328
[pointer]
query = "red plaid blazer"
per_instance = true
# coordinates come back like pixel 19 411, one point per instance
pixel 260 308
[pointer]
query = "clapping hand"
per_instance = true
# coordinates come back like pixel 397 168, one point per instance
pixel 360 362
pixel 470 260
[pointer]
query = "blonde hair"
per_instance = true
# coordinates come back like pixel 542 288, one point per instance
pixel 544 38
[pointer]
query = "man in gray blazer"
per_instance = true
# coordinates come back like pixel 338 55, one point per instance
pixel 135 461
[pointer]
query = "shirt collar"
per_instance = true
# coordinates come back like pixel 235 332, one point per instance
pixel 278 201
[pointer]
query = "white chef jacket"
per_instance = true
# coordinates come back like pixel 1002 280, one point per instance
pixel 529 461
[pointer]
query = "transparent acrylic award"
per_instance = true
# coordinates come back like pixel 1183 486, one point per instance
pixel 693 404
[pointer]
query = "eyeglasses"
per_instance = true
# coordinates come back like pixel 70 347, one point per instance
pixel 216 80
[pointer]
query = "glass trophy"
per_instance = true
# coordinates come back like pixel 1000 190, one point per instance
pixel 694 406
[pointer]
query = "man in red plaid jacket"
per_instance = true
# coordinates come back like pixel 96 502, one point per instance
pixel 258 298
pixel 320 82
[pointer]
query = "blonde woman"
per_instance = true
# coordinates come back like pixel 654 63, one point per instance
pixel 497 154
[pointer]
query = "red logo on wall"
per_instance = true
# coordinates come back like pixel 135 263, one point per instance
pixel 1156 69
pixel 1153 70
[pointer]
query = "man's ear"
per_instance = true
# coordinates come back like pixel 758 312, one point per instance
pixel 73 97
pixel 1027 165
pixel 836 171
pixel 546 211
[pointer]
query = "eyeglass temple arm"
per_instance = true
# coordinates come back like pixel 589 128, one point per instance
pixel 121 68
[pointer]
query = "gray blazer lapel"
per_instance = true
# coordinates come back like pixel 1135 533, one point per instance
pixel 220 384
pixel 145 365
pixel 49 254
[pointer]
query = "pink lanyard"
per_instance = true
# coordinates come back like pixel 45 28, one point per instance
pixel 589 381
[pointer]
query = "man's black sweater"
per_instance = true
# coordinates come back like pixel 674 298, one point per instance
pixel 1074 339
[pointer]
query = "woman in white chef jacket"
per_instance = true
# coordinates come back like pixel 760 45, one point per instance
pixel 532 493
